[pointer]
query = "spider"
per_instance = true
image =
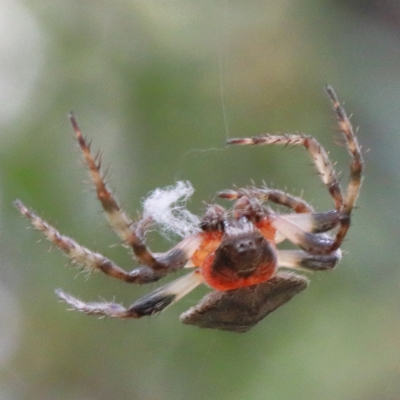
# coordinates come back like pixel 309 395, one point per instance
pixel 233 251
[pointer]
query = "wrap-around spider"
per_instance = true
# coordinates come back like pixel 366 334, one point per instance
pixel 234 252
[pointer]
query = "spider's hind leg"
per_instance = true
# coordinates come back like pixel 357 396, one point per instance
pixel 153 303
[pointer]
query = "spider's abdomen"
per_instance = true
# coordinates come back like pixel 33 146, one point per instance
pixel 243 258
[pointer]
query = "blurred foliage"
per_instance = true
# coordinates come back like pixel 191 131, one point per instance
pixel 158 86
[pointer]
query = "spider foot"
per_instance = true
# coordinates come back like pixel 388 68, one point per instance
pixel 102 309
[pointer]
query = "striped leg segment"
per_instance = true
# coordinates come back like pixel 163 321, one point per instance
pixel 151 304
pixel 356 167
pixel 299 259
pixel 276 196
pixel 89 260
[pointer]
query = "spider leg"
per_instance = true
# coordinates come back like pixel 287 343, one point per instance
pixel 299 259
pixel 314 243
pixel 276 196
pixel 151 304
pixel 356 166
pixel 131 234
pixel 324 165
pixel 91 261
pixel 316 222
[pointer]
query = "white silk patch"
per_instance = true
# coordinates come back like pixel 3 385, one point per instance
pixel 167 208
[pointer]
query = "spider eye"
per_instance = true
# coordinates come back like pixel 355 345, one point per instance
pixel 246 245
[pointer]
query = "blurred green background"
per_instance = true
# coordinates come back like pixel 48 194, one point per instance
pixel 158 86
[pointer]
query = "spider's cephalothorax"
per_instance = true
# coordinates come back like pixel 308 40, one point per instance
pixel 234 252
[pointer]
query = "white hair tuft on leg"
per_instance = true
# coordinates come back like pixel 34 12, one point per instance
pixel 167 208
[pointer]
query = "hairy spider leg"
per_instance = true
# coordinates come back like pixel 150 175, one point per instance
pixel 92 261
pixel 324 165
pixel 356 166
pixel 276 196
pixel 153 303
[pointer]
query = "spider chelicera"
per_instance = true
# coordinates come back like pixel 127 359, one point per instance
pixel 234 252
